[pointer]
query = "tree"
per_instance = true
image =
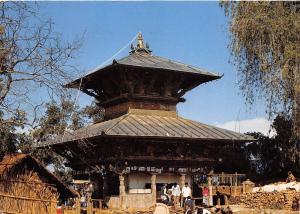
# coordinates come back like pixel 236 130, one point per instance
pixel 271 156
pixel 53 125
pixel 265 38
pixel 33 57
pixel 93 112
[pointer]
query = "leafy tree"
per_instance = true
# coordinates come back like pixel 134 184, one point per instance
pixel 265 38
pixel 93 112
pixel 9 137
pixel 52 126
pixel 270 156
pixel 231 164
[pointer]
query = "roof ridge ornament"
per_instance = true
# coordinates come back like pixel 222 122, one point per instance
pixel 140 46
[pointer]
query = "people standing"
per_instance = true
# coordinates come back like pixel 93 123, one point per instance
pixel 176 195
pixel 186 192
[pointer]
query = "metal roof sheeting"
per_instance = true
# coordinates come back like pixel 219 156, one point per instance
pixel 153 126
pixel 146 60
pixel 150 61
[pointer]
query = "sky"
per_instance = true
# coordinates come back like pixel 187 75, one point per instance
pixel 194 33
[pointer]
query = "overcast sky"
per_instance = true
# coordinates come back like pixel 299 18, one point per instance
pixel 194 33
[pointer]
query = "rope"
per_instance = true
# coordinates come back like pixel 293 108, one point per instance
pixel 113 56
pixel 81 79
pixel 78 93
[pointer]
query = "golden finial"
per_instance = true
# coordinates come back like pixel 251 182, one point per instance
pixel 140 47
pixel 140 44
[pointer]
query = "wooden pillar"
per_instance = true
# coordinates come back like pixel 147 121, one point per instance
pixel 122 192
pixel 235 184
pixel 182 180
pixel 225 199
pixel 182 183
pixel 222 178
pixel 153 188
pixel 210 195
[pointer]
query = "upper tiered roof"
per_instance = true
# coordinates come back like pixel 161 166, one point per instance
pixel 141 81
pixel 141 56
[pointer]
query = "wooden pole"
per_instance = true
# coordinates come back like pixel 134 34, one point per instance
pixel 122 192
pixel 153 188
pixel 235 185
pixel 210 198
pixel 182 183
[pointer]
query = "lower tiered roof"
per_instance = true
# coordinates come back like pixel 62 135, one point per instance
pixel 152 124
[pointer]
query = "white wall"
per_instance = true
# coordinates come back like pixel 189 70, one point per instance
pixel 138 181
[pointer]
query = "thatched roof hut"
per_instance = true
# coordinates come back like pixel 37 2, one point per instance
pixel 15 165
pixel 26 186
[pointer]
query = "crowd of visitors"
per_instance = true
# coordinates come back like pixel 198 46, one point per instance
pixel 181 197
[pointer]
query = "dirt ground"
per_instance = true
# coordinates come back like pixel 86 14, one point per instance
pixel 235 208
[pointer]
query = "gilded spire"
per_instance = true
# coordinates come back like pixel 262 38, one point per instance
pixel 140 40
pixel 141 46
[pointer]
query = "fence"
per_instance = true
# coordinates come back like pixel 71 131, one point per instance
pixel 228 179
pixel 12 204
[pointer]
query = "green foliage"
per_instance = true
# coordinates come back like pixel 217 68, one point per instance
pixel 231 164
pixel 267 158
pixel 8 140
pixel 9 137
pixel 56 118
pixel 265 38
pixel 53 125
pixel 93 112
pixel 271 156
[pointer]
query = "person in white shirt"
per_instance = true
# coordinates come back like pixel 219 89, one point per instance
pixel 186 192
pixel 176 195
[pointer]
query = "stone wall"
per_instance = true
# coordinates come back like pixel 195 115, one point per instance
pixel 270 200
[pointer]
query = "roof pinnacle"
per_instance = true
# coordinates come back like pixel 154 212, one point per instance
pixel 141 46
pixel 140 40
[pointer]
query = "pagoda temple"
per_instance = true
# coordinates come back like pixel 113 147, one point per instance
pixel 142 142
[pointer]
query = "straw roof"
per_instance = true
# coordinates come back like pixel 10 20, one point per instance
pixel 13 162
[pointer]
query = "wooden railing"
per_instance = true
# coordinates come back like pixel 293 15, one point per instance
pixel 228 179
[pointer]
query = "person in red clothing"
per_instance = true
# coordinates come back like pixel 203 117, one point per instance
pixel 205 194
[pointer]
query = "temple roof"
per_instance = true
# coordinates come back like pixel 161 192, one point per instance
pixel 154 124
pixel 141 57
pixel 144 60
